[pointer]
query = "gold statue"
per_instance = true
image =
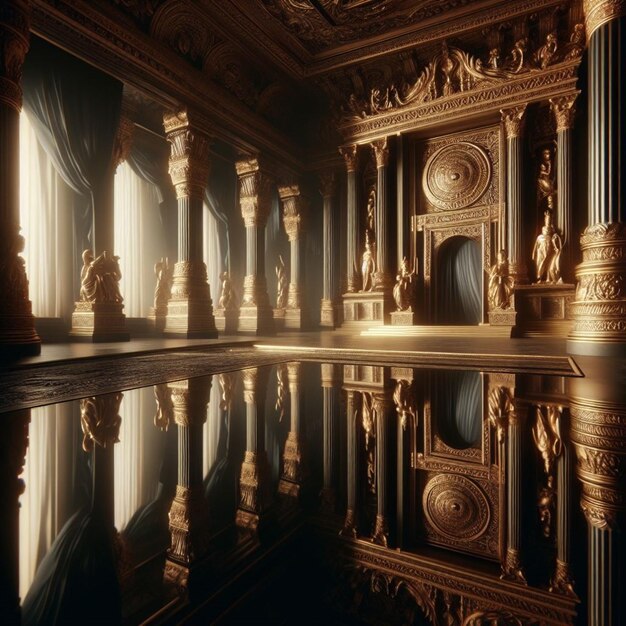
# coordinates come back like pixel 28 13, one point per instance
pixel 500 283
pixel 283 286
pixel 163 289
pixel 544 54
pixel 545 180
pixel 403 289
pixel 14 268
pixel 547 253
pixel 100 278
pixel 368 264
pixel 518 56
pixel 227 299
pixel 371 210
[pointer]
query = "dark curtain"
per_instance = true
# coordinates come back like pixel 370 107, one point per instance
pixel 458 409
pixel 459 284
pixel 149 159
pixel 75 110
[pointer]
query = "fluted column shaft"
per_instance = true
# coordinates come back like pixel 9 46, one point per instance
pixel 381 408
pixel 381 152
pixel 599 310
pixel 329 287
pixel 330 379
pixel 17 326
pixel 349 154
pixel 514 123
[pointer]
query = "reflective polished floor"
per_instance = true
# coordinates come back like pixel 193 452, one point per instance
pixel 307 492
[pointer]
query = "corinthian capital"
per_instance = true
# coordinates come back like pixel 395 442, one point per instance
pixel 254 192
pixel 599 12
pixel 14 33
pixel 189 157
pixel 350 156
pixel 381 152
pixel 513 120
pixel 564 111
pixel 328 183
pixel 190 399
pixel 100 420
pixel 293 209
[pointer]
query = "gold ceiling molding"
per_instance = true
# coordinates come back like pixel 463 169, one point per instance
pixel 599 12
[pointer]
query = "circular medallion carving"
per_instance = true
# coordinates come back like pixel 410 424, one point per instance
pixel 456 176
pixel 456 507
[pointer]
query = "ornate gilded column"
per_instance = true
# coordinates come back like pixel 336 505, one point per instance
pixel 599 310
pixel 513 120
pixel 331 377
pixel 12 459
pixel 329 309
pixel 188 514
pixel 598 434
pixel 293 474
pixel 350 156
pixel 17 325
pixel 254 197
pixel 382 278
pixel 512 566
pixel 350 523
pixel 293 208
pixel 564 111
pixel 254 494
pixel 190 309
pixel 381 404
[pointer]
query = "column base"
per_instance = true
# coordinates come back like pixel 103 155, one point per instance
pixel 18 337
pixel 157 319
pixel 349 525
pixel 544 309
pixel 99 321
pixel 192 319
pixel 256 319
pixel 599 310
pixel 330 314
pixel 381 532
pixel 227 321
pixel 253 492
pixel 512 568
pixel 373 307
pixel 296 319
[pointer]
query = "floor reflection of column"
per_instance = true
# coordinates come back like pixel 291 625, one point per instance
pixel 13 455
pixel 254 495
pixel 381 406
pixel 350 523
pixel 512 567
pixel 330 380
pixel 188 514
pixel 598 434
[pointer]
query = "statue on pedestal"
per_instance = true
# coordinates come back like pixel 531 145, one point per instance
pixel 547 253
pixel 500 283
pixel 100 278
pixel 227 298
pixel 163 289
pixel 368 264
pixel 545 180
pixel 371 212
pixel 404 287
pixel 14 268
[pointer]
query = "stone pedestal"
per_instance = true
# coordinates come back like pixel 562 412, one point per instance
pixel 296 319
pixel 402 318
pixel 279 319
pixel 99 321
pixel 372 307
pixel 227 321
pixel 544 309
pixel 157 319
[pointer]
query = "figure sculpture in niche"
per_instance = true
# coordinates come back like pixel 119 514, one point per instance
pixel 227 299
pixel 547 253
pixel 163 289
pixel 518 56
pixel 371 211
pixel 447 66
pixel 501 283
pixel 545 180
pixel 544 55
pixel 368 264
pixel 100 278
pixel 282 286
pixel 14 268
pixel 404 287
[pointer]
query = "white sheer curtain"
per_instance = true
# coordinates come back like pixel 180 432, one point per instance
pixel 45 209
pixel 212 253
pixel 46 503
pixel 137 455
pixel 139 240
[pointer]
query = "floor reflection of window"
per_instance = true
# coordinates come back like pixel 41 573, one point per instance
pixel 138 455
pixel 212 430
pixel 47 502
pixel 458 410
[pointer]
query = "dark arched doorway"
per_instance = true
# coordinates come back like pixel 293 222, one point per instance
pixel 458 287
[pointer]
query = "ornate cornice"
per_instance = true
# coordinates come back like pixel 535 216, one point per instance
pixel 599 12
pixel 513 120
pixel 564 111
pixel 14 33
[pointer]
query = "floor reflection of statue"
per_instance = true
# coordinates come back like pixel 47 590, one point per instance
pixel 100 278
pixel 545 180
pixel 368 264
pixel 163 289
pixel 547 253
pixel 404 287
pixel 500 283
